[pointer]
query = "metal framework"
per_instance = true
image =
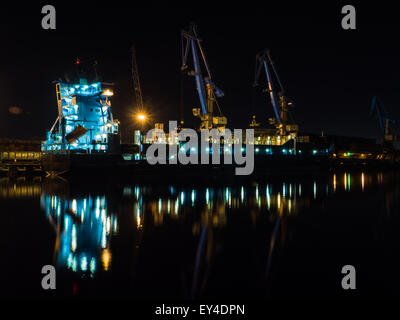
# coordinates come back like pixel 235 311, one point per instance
pixel 136 80
pixel 208 92
pixel 280 101
pixel 385 123
pixel 85 122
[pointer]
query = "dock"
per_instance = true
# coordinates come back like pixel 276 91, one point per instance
pixel 20 156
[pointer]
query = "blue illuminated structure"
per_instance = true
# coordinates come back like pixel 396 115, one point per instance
pixel 85 121
pixel 84 228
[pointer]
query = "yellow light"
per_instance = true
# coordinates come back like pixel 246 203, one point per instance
pixel 141 117
pixel 334 182
pixel 278 198
pixel 106 259
pixel 362 181
pixel 108 93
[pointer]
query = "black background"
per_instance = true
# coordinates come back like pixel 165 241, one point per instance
pixel 331 73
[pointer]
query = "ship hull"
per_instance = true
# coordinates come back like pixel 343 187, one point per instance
pixel 68 163
pixel 108 164
pixel 101 165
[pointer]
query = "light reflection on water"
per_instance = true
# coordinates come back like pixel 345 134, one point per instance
pixel 24 188
pixel 86 222
pixel 84 227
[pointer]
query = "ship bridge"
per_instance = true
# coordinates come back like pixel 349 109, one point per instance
pixel 85 123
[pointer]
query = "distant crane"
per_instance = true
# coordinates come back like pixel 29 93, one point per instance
pixel 208 92
pixel 136 81
pixel 280 102
pixel 385 123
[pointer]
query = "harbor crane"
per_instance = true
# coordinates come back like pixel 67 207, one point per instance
pixel 136 81
pixel 208 92
pixel 385 123
pixel 280 102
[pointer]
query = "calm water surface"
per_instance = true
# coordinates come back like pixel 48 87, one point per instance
pixel 278 237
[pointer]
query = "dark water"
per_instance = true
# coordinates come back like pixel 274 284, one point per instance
pixel 275 237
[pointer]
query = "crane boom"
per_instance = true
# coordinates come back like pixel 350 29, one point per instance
pixel 279 100
pixel 136 80
pixel 206 89
pixel 383 117
pixel 200 84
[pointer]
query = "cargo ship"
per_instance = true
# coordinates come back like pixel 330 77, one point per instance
pixel 85 137
pixel 84 128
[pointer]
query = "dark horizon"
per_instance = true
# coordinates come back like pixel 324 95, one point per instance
pixel 330 73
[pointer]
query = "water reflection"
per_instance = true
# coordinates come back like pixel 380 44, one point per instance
pixel 95 226
pixel 217 201
pixel 84 226
pixel 20 188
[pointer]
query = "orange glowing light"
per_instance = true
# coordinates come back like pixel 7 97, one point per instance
pixel 108 93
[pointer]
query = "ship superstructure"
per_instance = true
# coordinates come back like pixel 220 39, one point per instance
pixel 85 122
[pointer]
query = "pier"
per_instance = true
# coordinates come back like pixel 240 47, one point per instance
pixel 20 156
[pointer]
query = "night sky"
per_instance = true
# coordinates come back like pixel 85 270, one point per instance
pixel 329 72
